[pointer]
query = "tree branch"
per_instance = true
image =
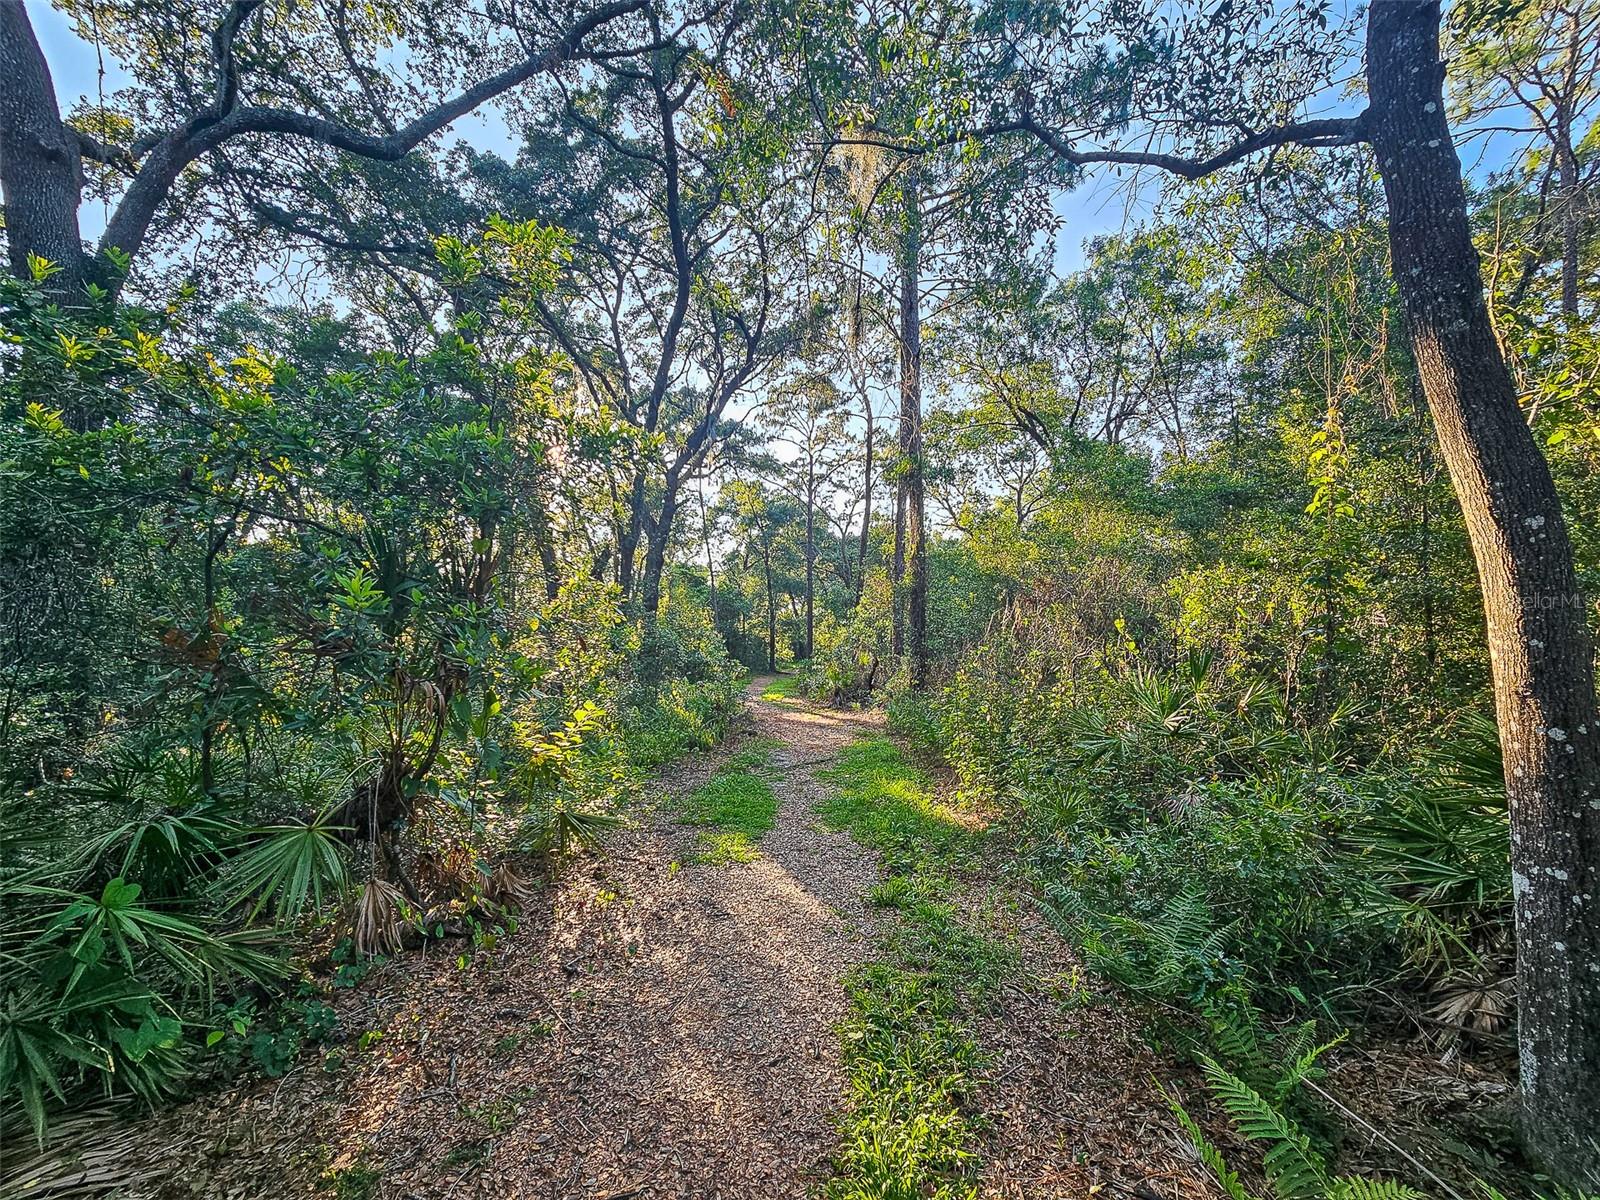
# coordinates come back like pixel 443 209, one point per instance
pixel 1325 132
pixel 225 119
pixel 1331 131
pixel 395 146
pixel 222 54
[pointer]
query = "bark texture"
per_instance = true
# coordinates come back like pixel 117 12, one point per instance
pixel 1539 645
pixel 40 167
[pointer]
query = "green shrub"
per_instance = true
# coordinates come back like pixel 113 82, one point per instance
pixel 1210 852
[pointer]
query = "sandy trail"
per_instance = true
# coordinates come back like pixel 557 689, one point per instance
pixel 663 1027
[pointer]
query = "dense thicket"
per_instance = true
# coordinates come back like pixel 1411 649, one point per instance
pixel 295 634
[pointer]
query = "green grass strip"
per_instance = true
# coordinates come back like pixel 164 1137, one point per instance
pixel 784 687
pixel 908 1047
pixel 737 807
pixel 884 802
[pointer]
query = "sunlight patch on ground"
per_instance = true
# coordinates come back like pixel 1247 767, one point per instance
pixel 783 687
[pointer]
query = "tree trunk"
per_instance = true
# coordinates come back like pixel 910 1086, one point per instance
pixel 866 508
pixel 655 559
pixel 158 172
pixel 897 573
pixel 545 543
pixel 711 566
pixel 1539 646
pixel 628 540
pixel 915 541
pixel 811 553
pixel 772 611
pixel 1567 158
pixel 1571 199
pixel 40 168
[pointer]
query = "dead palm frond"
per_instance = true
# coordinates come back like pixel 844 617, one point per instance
pixel 380 917
pixel 511 888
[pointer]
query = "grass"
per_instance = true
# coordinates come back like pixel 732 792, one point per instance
pixel 784 687
pixel 754 755
pixel 736 806
pixel 911 1060
pixel 884 802
pixel 908 1043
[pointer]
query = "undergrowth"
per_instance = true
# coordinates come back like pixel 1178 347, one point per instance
pixel 908 1042
pixel 1237 872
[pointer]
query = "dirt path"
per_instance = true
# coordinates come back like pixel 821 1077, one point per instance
pixel 663 1029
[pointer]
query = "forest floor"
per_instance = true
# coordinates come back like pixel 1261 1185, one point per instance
pixel 665 1024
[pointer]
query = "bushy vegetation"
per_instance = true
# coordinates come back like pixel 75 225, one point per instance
pixel 285 661
pixel 377 508
pixel 1207 851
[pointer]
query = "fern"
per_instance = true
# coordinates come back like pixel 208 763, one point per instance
pixel 1354 1187
pixel 1227 1178
pixel 1304 1066
pixel 1295 1170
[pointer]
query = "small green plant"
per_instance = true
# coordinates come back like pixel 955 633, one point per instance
pixel 753 755
pixel 469 1154
pixel 350 966
pixel 272 1040
pixel 911 1062
pixel 358 1181
pixel 495 1115
pixel 508 1045
pixel 885 803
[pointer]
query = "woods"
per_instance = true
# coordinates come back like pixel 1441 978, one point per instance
pixel 1177 423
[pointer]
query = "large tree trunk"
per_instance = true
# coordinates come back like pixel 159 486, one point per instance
pixel 1539 647
pixel 897 572
pixel 711 565
pixel 159 170
pixel 915 545
pixel 544 541
pixel 40 167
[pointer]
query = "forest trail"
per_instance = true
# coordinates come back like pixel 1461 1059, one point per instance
pixel 657 1027
pixel 664 1027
